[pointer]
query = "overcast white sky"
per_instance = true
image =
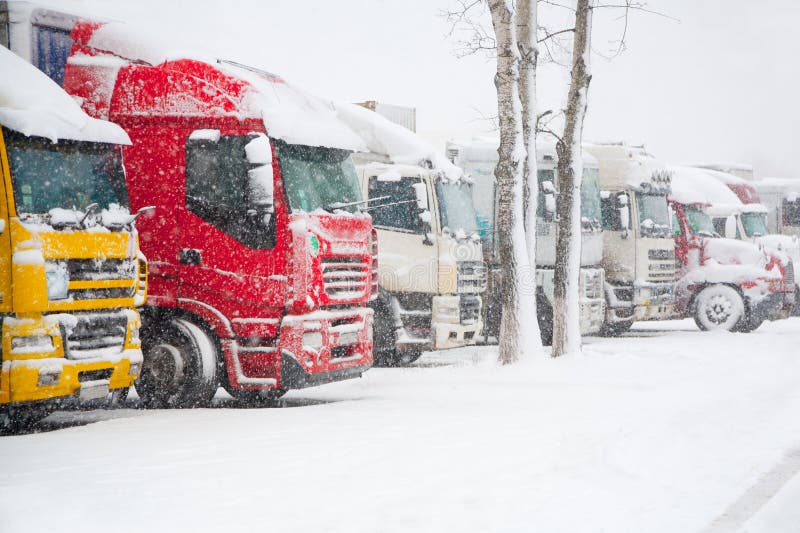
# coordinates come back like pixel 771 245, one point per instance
pixel 718 84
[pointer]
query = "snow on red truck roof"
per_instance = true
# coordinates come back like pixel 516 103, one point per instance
pixel 208 87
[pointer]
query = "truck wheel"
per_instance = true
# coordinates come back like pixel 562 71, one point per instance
pixel 615 329
pixel 257 398
pixel 180 366
pixel 118 397
pixel 544 315
pixel 21 418
pixel 718 307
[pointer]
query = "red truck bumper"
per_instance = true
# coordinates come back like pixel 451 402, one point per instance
pixel 311 349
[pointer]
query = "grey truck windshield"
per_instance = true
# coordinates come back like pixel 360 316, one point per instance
pixel 456 208
pixel 590 198
pixel 755 224
pixel 67 174
pixel 318 178
pixel 653 215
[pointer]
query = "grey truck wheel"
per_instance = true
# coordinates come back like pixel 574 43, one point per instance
pixel 180 365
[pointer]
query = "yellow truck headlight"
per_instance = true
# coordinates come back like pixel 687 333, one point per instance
pixel 134 337
pixel 32 344
pixel 57 276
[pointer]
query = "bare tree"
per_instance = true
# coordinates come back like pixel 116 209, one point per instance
pixel 566 315
pixel 527 26
pixel 517 310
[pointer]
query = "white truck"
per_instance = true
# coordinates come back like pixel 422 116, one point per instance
pixel 478 158
pixel 431 273
pixel 638 248
pixel 781 196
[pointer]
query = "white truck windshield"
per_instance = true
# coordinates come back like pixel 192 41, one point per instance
pixel 456 207
pixel 653 215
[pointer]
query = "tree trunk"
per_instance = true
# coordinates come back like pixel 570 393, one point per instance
pixel 527 23
pixel 516 317
pixel 566 315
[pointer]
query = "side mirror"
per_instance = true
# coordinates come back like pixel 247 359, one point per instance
pixel 421 193
pixel 258 151
pixel 260 179
pixel 624 212
pixel 549 192
pixel 730 227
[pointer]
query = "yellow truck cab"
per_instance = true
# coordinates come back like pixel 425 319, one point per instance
pixel 71 273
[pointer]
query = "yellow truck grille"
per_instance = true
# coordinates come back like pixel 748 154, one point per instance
pixel 96 334
pixel 94 279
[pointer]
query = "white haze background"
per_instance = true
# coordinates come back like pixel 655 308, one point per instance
pixel 717 84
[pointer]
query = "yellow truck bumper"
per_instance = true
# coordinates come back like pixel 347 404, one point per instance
pixel 39 369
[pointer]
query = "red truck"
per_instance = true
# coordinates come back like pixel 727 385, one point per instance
pixel 724 283
pixel 262 266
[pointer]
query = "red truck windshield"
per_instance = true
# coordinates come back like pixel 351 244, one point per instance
pixel 316 178
pixel 67 174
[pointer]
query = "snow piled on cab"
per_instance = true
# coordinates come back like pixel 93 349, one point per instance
pixel 293 115
pixel 401 145
pixel 33 104
pixel 289 113
pixel 695 186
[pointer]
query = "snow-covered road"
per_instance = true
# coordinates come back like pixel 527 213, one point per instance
pixel 660 431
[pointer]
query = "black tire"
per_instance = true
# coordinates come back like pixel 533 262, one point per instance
pixel 544 315
pixel 384 334
pixel 719 307
pixel 615 329
pixel 180 365
pixel 14 419
pixel 257 398
pixel 118 397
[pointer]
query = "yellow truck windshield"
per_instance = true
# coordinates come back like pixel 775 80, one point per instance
pixel 67 174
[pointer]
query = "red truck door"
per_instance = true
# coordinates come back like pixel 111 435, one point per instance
pixel 228 254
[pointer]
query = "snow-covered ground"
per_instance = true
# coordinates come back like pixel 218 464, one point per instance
pixel 666 430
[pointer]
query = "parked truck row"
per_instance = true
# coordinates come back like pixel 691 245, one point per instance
pixel 292 241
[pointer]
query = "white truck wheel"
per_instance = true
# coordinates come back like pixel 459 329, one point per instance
pixel 719 307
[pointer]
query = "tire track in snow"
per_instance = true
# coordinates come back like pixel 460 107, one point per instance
pixel 754 498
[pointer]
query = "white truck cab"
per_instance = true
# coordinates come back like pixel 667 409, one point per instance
pixel 478 158
pixel 638 248
pixel 431 273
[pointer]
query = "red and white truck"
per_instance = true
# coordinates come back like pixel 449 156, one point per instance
pixel 723 283
pixel 257 283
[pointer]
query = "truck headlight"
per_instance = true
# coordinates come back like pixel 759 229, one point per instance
pixel 644 294
pixel 135 339
pixel 312 339
pixel 32 344
pixel 57 276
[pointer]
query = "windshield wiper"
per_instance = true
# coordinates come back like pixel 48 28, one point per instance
pixel 91 208
pixel 340 205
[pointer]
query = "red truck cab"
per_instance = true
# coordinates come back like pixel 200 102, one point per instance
pixel 261 266
pixel 725 283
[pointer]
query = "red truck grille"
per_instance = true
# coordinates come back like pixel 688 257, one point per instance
pixel 345 277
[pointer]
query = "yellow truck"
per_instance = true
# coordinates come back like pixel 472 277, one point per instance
pixel 71 273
